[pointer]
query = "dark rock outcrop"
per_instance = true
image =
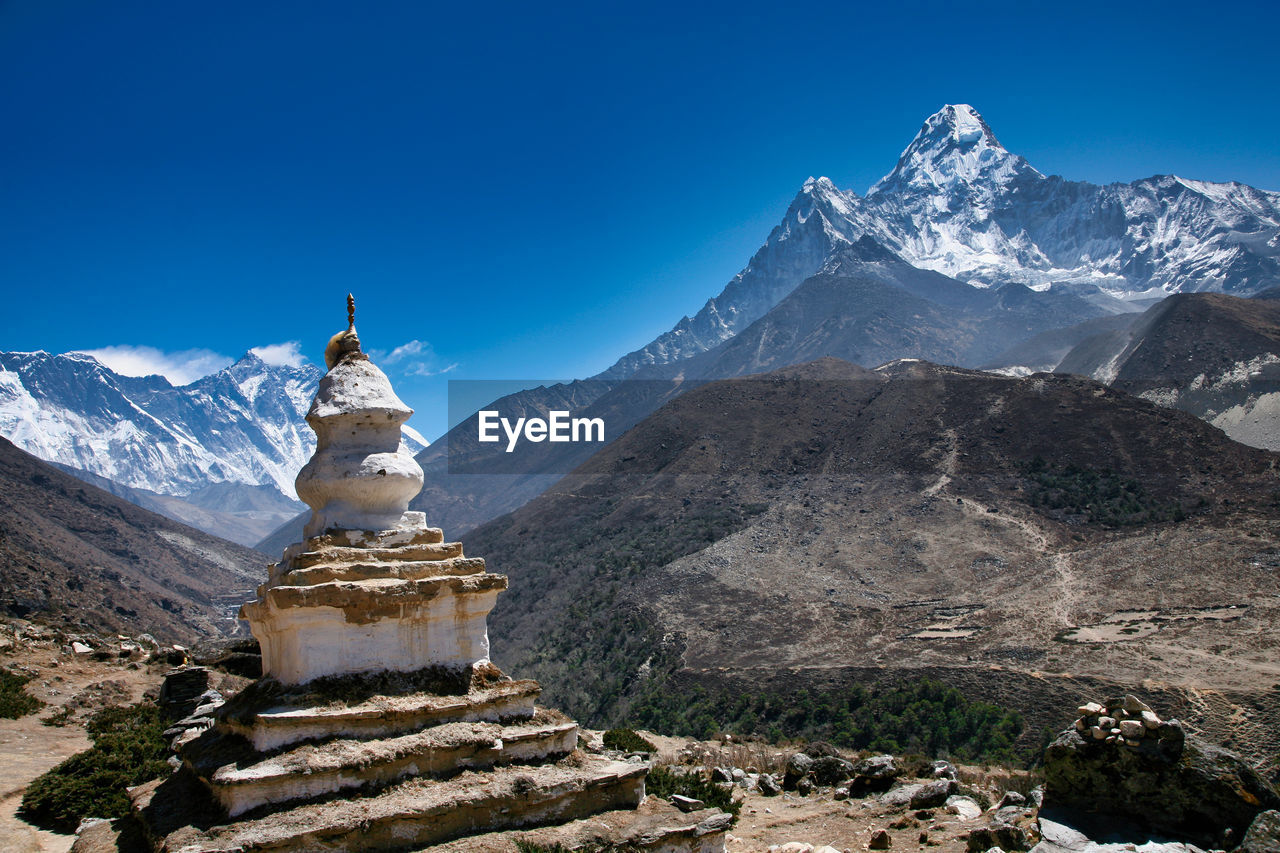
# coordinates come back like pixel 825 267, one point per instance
pixel 1199 792
pixel 830 770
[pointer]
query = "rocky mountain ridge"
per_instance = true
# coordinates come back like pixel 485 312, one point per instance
pixel 1215 356
pixel 74 555
pixel 825 525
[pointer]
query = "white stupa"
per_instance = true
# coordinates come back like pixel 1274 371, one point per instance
pixel 371 587
pixel 380 723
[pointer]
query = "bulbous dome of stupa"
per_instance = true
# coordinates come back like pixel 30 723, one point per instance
pixel 360 478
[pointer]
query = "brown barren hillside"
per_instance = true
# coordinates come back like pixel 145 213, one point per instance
pixel 74 555
pixel 1030 541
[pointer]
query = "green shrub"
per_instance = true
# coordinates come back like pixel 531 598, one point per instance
pixel 663 782
pixel 626 740
pixel 1102 497
pixel 128 749
pixel 14 701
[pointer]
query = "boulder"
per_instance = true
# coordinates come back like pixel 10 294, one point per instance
pixel 687 804
pixel 769 786
pixel 1012 798
pixel 1012 828
pixel 945 770
pixel 1263 835
pixel 820 749
pixel 1035 799
pixel 797 768
pixel 1134 705
pixel 1186 789
pixel 873 774
pixel 933 794
pixel 880 840
pixel 830 770
pixel 1000 837
pixel 966 808
pixel 900 796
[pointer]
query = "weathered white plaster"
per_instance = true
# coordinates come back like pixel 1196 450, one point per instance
pixel 304 640
pixel 359 477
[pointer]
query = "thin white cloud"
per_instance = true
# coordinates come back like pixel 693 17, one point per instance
pixel 415 358
pixel 287 354
pixel 180 368
pixel 400 353
pixel 423 369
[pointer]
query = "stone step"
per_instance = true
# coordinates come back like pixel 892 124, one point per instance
pixel 655 827
pixel 366 570
pixel 398 554
pixel 383 716
pixel 377 597
pixel 412 814
pixel 412 534
pixel 243 781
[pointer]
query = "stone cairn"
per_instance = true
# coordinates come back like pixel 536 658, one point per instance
pixel 1121 760
pixel 380 723
pixel 1130 722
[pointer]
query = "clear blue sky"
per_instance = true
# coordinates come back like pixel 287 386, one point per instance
pixel 532 189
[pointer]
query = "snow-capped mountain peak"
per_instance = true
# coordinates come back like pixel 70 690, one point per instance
pixel 961 204
pixel 954 148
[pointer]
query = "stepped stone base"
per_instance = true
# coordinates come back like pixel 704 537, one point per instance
pixel 413 814
pixel 397 762
pixel 271 716
pixel 242 781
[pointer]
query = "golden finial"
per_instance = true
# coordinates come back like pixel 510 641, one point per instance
pixel 344 344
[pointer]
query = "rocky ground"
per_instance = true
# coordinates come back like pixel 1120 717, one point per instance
pixel 74 676
pixel 815 800
pixel 829 816
pixel 73 683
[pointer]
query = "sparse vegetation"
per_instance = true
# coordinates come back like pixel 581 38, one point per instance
pixel 595 655
pixel 665 781
pixel 626 740
pixel 1094 496
pixel 922 716
pixel 15 701
pixel 128 749
pixel 58 718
